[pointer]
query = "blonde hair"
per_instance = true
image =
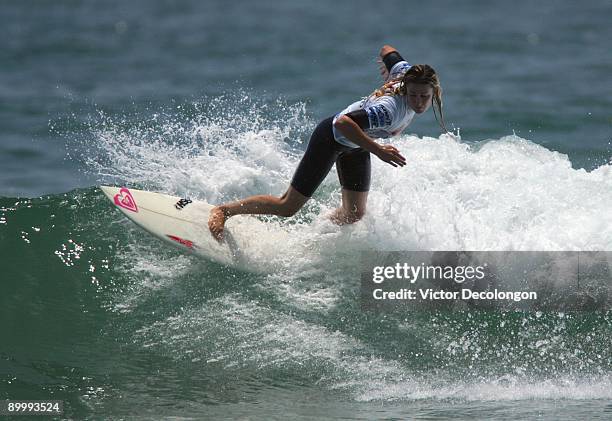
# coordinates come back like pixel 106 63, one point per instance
pixel 422 74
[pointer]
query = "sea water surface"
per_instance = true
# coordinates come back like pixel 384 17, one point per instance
pixel 216 101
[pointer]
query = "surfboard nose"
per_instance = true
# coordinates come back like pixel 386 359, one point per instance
pixel 109 191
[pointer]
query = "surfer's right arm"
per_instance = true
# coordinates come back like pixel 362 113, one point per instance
pixel 349 126
pixel 388 58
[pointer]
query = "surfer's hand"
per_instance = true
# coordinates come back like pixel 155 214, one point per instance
pixel 390 155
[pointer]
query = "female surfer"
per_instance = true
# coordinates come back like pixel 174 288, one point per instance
pixel 347 141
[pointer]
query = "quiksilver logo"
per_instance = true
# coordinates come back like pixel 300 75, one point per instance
pixel 182 203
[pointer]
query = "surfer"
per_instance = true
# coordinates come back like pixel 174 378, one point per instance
pixel 347 140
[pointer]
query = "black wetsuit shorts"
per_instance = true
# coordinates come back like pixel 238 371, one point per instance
pixel 353 164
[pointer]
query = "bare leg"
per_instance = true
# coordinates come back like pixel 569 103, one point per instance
pixel 286 205
pixel 353 207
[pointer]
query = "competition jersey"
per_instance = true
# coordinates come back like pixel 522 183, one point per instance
pixel 387 115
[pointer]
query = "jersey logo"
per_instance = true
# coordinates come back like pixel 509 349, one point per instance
pixel 182 203
pixel 379 116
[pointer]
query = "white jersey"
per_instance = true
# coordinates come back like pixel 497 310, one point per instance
pixel 387 115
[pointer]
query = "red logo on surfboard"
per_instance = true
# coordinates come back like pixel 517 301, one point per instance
pixel 186 243
pixel 125 200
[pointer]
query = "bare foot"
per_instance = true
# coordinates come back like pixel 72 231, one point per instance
pixel 340 217
pixel 335 217
pixel 216 222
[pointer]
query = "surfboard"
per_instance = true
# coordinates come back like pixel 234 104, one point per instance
pixel 248 242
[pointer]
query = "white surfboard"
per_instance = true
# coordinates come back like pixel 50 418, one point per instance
pixel 248 243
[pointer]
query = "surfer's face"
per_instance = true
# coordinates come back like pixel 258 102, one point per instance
pixel 419 96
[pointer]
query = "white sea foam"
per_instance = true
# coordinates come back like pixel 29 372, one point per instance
pixel 502 194
pixel 507 194
pixel 506 388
